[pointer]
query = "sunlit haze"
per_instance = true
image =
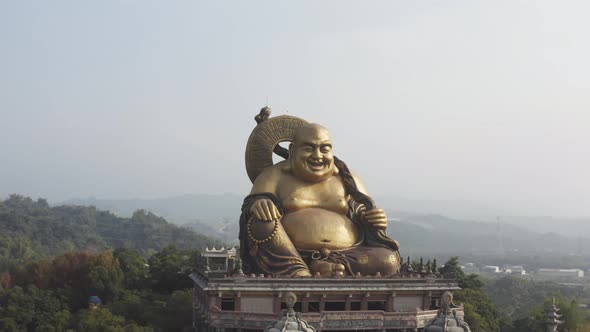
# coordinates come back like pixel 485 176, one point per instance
pixel 444 100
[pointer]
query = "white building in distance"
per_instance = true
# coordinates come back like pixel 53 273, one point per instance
pixel 491 269
pixel 517 269
pixel 561 273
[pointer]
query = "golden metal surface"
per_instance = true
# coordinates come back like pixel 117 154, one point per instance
pixel 313 196
pixel 316 228
pixel 392 259
pixel 278 240
pixel 363 259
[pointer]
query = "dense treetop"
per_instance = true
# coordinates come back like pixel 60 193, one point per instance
pixel 32 230
pixel 53 295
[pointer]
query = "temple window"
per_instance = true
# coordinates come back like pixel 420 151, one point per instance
pixel 334 306
pixel 377 305
pixel 228 304
pixel 314 307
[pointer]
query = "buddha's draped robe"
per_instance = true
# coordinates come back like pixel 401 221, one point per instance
pixel 374 252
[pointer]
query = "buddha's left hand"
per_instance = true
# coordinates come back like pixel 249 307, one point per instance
pixel 375 217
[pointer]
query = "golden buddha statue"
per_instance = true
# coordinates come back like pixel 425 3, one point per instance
pixel 309 214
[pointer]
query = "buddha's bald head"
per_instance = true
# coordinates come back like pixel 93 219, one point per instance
pixel 310 156
pixel 311 130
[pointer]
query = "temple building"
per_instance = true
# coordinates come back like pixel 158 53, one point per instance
pixel 310 231
pixel 219 260
pixel 227 301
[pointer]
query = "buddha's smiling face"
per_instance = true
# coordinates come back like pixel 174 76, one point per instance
pixel 310 155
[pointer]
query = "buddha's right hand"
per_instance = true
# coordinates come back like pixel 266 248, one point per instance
pixel 264 209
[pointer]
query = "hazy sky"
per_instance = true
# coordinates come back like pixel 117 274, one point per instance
pixel 478 100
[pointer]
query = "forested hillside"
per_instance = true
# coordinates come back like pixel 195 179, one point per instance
pixel 52 259
pixel 33 230
pixel 136 294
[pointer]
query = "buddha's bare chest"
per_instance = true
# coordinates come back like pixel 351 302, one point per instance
pixel 329 194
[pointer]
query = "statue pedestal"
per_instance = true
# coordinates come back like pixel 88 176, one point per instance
pixel 252 303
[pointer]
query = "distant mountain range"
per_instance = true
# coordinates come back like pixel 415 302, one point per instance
pixel 423 234
pixel 213 209
pixel 177 209
pixel 422 226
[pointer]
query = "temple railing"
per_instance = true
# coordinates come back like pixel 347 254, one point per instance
pixel 320 280
pixel 327 320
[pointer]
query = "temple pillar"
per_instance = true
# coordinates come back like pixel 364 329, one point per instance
pixel 238 302
pixel 347 302
pixel 365 302
pixel 391 302
pixel 277 303
pixel 305 303
pixel 322 302
pixel 426 301
pixel 213 301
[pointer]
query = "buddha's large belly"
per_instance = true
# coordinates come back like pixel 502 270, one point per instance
pixel 314 228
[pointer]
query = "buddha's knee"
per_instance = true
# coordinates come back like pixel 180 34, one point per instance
pixel 262 229
pixel 386 262
pixel 391 263
pixel 270 235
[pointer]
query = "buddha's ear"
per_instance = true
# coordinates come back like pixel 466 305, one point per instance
pixel 336 170
pixel 291 147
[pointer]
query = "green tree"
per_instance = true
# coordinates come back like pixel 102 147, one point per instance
pixel 452 270
pixel 178 315
pixel 104 276
pixel 31 308
pixel 134 268
pixel 480 312
pixel 532 323
pixel 470 281
pixel 102 320
pixel 136 305
pixel 8 324
pixel 168 269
